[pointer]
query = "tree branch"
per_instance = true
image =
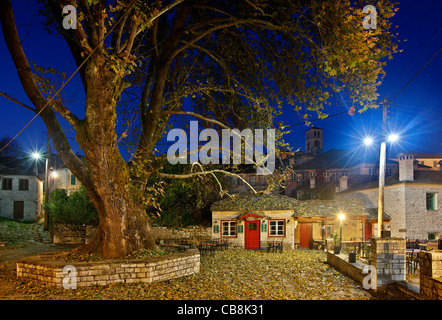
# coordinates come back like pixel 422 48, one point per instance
pixel 17 102
pixel 196 115
pixel 193 174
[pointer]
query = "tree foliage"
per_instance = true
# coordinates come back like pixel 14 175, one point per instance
pixel 236 62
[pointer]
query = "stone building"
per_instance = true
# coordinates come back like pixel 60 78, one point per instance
pixel 249 220
pixel 412 198
pixel 21 194
pixel 60 177
pixel 63 178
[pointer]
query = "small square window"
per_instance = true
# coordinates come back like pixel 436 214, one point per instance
pixel 276 228
pixel 7 184
pixel 23 184
pixel 228 228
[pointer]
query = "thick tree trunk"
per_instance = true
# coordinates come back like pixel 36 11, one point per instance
pixel 124 226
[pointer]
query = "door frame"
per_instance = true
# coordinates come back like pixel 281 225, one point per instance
pixel 302 227
pixel 256 244
pixel 18 210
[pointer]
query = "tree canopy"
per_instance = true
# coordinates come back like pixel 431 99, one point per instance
pixel 151 62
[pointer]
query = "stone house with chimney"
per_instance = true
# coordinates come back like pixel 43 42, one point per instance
pixel 412 198
pixel 250 221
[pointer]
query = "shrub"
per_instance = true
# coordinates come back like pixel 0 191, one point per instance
pixel 73 209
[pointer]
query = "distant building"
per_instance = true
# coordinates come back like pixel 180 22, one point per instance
pixel 412 198
pixel 314 142
pixel 21 194
pixel 60 177
pixel 325 171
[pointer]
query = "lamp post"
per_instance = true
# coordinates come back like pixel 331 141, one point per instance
pixel 393 137
pixel 341 218
pixel 36 156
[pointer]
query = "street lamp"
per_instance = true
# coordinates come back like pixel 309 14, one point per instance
pixel 341 218
pixel 36 156
pixel 368 141
pixel 392 137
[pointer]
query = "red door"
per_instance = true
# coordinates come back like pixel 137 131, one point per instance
pixel 251 235
pixel 305 235
pixel 368 231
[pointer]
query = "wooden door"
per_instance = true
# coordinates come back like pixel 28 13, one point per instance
pixel 368 231
pixel 19 209
pixel 251 235
pixel 305 235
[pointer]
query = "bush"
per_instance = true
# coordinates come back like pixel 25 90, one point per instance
pixel 74 209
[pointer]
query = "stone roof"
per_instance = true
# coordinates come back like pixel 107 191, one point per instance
pixel 311 208
pixel 338 159
pixel 420 177
pixel 255 202
pixel 330 208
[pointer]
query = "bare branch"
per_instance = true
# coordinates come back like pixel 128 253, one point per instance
pixel 193 174
pixel 65 113
pixel 17 102
pixel 196 115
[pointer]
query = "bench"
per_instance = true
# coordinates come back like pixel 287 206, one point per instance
pixel 206 248
pixel 274 246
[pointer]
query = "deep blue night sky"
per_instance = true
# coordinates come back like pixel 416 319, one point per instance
pixel 416 113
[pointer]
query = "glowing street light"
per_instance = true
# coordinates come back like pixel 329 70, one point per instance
pixel 36 155
pixel 368 141
pixel 393 137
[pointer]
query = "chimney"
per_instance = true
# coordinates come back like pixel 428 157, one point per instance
pixel 343 183
pixel 312 182
pixel 406 167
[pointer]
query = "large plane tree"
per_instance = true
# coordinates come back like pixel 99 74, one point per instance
pixel 226 62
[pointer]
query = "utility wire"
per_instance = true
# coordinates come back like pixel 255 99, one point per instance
pixel 67 81
pixel 428 62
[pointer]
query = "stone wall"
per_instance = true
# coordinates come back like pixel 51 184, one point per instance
pixel 387 255
pixel 351 270
pixel 430 263
pixel 194 232
pixel 149 270
pixel 70 234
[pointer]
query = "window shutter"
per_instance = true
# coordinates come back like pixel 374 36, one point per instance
pixel 216 228
pixel 263 227
pixel 240 229
pixel 73 180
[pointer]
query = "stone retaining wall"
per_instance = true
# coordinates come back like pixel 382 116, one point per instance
pixel 351 270
pixel 387 255
pixel 72 234
pixel 106 272
pixel 430 264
